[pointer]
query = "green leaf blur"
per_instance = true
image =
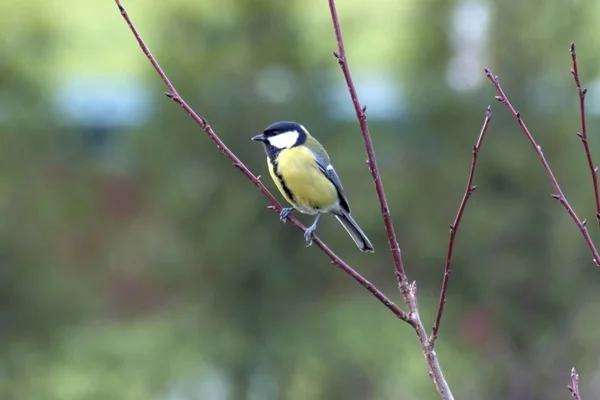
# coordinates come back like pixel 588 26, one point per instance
pixel 137 263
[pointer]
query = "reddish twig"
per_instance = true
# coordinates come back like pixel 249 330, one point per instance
pixel 454 227
pixel 172 94
pixel 408 290
pixel 574 386
pixel 583 134
pixel 340 54
pixel 558 194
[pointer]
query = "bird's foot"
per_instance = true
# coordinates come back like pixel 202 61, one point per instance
pixel 308 233
pixel 285 212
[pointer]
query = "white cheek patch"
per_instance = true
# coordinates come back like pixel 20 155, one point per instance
pixel 284 140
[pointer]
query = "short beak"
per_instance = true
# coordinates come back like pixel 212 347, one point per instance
pixel 259 138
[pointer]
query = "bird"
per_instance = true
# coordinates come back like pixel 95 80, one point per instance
pixel 302 171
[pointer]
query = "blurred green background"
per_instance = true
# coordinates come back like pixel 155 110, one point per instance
pixel 137 263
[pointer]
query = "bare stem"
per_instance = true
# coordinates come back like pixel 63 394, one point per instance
pixel 574 387
pixel 172 94
pixel 583 134
pixel 361 114
pixel 408 290
pixel 454 227
pixel 558 194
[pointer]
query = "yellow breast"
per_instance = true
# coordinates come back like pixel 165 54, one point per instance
pixel 301 182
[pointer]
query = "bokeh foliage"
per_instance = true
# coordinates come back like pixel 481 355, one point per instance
pixel 137 263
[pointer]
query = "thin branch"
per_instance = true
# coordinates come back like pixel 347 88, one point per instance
pixel 574 387
pixel 408 290
pixel 361 114
pixel 172 94
pixel 583 134
pixel 558 194
pixel 454 227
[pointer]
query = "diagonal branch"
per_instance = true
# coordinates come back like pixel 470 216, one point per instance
pixel 340 54
pixel 454 227
pixel 574 386
pixel 408 290
pixel 172 94
pixel 558 194
pixel 583 134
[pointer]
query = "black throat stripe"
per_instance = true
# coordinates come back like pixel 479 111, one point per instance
pixel 287 190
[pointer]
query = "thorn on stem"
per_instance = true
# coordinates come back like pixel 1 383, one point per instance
pixel 580 135
pixel 584 223
pixel 336 55
pixel 121 8
pixel 258 177
pixel 555 196
pixel 539 148
pixel 271 207
pixel 473 188
pixel 364 109
pixel 518 115
pixel 169 95
pixel 572 48
pixel 583 91
pixel 500 99
pixel 595 170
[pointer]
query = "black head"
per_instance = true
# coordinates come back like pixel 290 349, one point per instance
pixel 282 135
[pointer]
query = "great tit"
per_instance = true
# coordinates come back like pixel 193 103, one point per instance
pixel 302 172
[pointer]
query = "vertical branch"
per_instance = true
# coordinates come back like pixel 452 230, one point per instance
pixel 558 194
pixel 409 291
pixel 583 134
pixel 574 386
pixel 454 227
pixel 335 259
pixel 361 114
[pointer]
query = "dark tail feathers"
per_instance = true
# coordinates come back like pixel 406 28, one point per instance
pixel 354 231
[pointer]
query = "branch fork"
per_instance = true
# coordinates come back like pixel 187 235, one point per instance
pixel 407 290
pixel 274 204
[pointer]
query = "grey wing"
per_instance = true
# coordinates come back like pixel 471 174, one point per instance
pixel 327 169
